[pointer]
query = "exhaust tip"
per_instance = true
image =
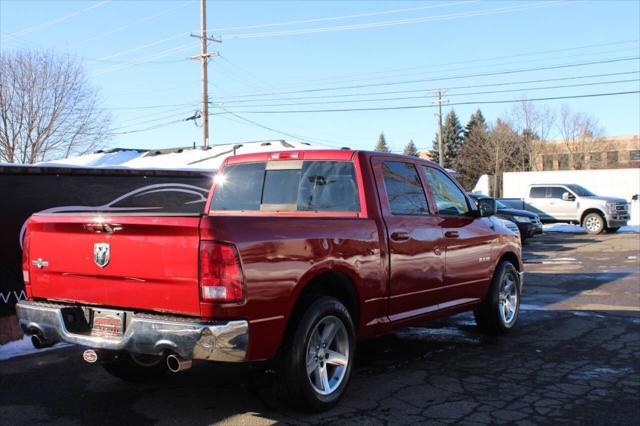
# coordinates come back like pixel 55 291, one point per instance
pixel 39 342
pixel 176 363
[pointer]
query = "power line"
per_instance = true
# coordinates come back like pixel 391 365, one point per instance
pixel 590 95
pixel 403 98
pixel 262 125
pixel 381 24
pixel 56 20
pixel 478 67
pixel 423 80
pixel 394 92
pixel 335 18
pixel 144 59
pixel 131 24
pixel 484 59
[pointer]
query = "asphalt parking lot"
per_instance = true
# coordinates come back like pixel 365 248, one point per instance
pixel 575 358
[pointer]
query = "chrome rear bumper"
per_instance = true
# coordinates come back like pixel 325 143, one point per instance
pixel 225 341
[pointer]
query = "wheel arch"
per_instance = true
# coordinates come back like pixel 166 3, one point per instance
pixel 593 210
pixel 510 257
pixel 333 283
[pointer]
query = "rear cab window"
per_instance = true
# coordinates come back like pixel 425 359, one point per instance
pixel 287 186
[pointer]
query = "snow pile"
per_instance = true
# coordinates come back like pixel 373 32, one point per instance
pixel 98 159
pixel 195 159
pixel 24 347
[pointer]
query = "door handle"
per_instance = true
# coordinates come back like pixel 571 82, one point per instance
pixel 451 234
pixel 400 236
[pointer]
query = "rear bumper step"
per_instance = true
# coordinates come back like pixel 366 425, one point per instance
pixel 225 341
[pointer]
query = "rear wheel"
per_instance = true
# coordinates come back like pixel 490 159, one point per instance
pixel 134 367
pixel 500 310
pixel 316 365
pixel 594 223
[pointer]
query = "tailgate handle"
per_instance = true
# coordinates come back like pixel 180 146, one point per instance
pixel 102 227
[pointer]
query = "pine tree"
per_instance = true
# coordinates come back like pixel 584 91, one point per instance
pixel 471 162
pixel 382 144
pixel 452 140
pixel 410 149
pixel 476 124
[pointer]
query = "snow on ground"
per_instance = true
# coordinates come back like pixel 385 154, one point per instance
pixel 24 347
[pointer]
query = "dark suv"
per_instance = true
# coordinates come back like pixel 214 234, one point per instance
pixel 528 223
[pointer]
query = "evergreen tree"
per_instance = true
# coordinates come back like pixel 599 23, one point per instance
pixel 411 149
pixel 382 144
pixel 452 140
pixel 471 162
pixel 476 124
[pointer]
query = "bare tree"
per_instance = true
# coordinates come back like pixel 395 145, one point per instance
pixel 48 109
pixel 533 123
pixel 581 135
pixel 490 152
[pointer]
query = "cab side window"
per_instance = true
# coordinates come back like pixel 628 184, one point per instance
pixel 404 189
pixel 538 192
pixel 450 200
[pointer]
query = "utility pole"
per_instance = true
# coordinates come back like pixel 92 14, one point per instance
pixel 203 57
pixel 440 101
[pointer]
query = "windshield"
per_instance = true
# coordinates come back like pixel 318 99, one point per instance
pixel 581 191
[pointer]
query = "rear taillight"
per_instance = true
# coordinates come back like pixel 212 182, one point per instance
pixel 220 273
pixel 25 257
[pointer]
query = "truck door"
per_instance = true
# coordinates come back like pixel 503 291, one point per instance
pixel 468 241
pixel 561 209
pixel 415 240
pixel 539 203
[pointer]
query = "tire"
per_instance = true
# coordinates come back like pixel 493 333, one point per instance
pixel 306 391
pixel 134 368
pixel 594 223
pixel 492 317
pixel 612 230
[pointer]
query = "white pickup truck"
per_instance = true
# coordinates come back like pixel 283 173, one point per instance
pixel 573 203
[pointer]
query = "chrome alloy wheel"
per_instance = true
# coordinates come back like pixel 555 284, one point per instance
pixel 508 299
pixel 327 355
pixel 593 223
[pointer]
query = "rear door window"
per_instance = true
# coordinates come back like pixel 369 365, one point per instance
pixel 288 186
pixel 404 189
pixel 538 192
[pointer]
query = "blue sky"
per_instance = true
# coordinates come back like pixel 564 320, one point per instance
pixel 136 53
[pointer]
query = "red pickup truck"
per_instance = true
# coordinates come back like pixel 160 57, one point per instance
pixel 296 256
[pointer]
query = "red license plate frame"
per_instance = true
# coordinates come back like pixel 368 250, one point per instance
pixel 107 322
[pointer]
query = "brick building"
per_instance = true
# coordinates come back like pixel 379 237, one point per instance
pixel 612 152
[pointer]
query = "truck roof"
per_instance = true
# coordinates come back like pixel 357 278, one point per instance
pixel 312 154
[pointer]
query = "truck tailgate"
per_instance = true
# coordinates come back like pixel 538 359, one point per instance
pixel 134 262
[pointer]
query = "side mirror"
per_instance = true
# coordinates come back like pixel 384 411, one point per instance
pixel 487 207
pixel 567 197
